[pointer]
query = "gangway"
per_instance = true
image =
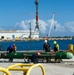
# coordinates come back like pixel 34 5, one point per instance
pixel 25 68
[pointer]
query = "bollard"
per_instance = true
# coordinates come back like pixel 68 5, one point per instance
pixel 70 47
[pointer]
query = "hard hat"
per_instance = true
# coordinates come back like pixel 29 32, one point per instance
pixel 54 42
pixel 45 41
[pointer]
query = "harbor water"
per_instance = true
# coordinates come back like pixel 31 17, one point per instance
pixel 34 45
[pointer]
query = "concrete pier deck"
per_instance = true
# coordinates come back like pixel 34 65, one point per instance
pixel 64 68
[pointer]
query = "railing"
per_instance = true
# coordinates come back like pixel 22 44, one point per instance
pixel 5 71
pixel 26 68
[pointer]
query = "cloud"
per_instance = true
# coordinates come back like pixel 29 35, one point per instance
pixel 26 25
pixel 47 27
pixel 70 26
pixel 43 26
pixel 22 25
pixel 54 26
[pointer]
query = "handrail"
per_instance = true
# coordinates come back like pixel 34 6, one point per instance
pixel 36 65
pixel 26 68
pixel 5 71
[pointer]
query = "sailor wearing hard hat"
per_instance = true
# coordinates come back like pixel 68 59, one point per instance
pixel 56 46
pixel 46 46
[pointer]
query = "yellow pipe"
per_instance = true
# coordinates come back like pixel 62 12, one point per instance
pixel 36 65
pixel 26 68
pixel 5 71
pixel 20 67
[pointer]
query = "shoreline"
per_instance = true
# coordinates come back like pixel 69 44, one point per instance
pixel 38 39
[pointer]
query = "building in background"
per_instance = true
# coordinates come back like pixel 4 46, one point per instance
pixel 18 35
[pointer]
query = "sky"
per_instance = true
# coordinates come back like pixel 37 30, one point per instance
pixel 18 14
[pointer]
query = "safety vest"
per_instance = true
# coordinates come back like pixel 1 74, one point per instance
pixel 57 46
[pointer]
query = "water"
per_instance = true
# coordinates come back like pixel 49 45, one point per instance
pixel 35 45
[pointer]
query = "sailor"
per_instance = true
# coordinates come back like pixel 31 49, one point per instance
pixel 46 46
pixel 10 49
pixel 14 47
pixel 56 47
pixel 34 57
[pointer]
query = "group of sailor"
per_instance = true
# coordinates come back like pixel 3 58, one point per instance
pixel 47 46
